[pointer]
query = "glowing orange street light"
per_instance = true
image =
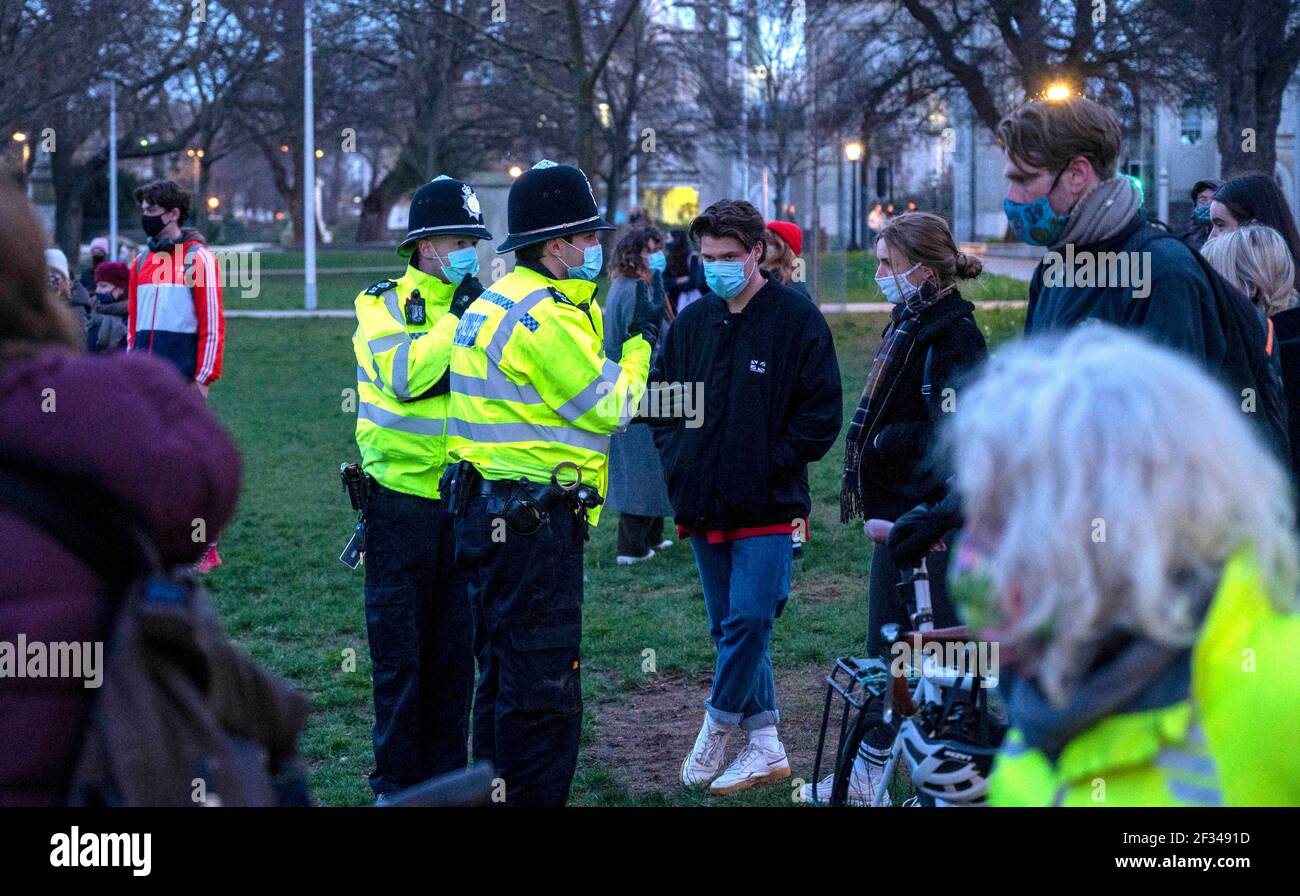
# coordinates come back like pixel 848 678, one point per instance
pixel 213 203
pixel 515 171
pixel 1058 91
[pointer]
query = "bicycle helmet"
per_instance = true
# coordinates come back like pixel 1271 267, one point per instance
pixel 949 748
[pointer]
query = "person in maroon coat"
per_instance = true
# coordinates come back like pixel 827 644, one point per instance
pixel 134 428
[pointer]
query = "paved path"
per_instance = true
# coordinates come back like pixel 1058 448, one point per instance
pixel 1010 266
pixel 287 313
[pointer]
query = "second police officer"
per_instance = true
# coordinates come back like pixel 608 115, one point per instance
pixel 417 613
pixel 534 401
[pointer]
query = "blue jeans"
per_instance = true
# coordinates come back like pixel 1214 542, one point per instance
pixel 746 584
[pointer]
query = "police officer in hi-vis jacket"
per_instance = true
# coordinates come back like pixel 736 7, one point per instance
pixel 417 614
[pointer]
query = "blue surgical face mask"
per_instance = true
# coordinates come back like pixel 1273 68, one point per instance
pixel 593 259
pixel 460 264
pixel 726 279
pixel 897 288
pixel 657 261
pixel 1201 212
pixel 1036 223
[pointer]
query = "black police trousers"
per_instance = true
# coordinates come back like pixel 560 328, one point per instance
pixel 526 596
pixel 421 641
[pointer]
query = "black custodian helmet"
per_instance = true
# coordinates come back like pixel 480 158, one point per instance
pixel 549 201
pixel 443 207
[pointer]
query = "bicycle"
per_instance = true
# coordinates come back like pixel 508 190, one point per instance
pixel 940 716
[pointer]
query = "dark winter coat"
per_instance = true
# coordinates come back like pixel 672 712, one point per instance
pixel 771 406
pixel 636 475
pixel 1187 307
pixel 139 430
pixel 1286 327
pixel 899 469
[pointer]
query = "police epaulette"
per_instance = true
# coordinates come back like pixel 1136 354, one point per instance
pixel 381 287
pixel 560 297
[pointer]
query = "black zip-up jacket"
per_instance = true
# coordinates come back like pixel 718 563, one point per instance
pixel 771 406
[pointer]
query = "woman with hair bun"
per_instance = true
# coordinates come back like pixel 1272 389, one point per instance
pixel 931 342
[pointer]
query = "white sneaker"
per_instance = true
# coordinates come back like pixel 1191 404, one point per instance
pixel 862 787
pixel 709 755
pixel 626 560
pixel 663 545
pixel 754 765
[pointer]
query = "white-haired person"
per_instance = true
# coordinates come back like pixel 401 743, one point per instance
pixel 1255 259
pixel 1129 544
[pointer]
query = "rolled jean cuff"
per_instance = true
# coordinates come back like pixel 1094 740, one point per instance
pixel 722 718
pixel 760 720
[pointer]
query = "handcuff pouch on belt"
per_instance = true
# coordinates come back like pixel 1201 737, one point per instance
pixel 529 505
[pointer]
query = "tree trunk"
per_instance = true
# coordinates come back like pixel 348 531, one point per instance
pixel 69 179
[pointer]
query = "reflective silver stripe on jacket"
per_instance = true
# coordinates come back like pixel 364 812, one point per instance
pixel 364 376
pixel 402 371
pixel 526 432
pixel 419 426
pixel 497 388
pixel 591 395
pixel 382 344
pixel 1192 775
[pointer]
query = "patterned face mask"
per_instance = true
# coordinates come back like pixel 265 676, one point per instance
pixel 1036 223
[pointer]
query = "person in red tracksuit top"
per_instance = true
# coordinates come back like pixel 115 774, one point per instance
pixel 174 297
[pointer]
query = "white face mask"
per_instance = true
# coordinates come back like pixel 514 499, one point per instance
pixel 897 288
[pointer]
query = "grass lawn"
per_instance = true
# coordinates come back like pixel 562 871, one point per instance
pixel 845 277
pixel 289 602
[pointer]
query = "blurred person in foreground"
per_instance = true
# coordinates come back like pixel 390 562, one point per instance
pixel 636 475
pixel 1141 589
pixel 108 425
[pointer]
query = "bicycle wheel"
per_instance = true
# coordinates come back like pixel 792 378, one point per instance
pixel 869 719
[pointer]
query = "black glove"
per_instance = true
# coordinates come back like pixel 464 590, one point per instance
pixel 645 316
pixel 918 530
pixel 464 296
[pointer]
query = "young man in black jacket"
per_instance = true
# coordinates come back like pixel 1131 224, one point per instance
pixel 738 481
pixel 1107 263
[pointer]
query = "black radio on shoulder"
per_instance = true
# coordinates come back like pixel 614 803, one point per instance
pixel 415 309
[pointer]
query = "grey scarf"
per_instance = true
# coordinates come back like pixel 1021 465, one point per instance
pixel 1102 213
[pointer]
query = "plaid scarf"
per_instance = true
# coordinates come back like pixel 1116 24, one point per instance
pixel 893 349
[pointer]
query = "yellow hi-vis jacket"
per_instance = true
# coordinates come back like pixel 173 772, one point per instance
pixel 1232 743
pixel 401 417
pixel 531 386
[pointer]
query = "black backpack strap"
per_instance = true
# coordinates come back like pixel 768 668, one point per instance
pixel 926 388
pixel 80 516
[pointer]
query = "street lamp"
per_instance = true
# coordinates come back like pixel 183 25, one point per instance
pixel 1058 91
pixel 213 203
pixel 853 152
pixel 195 154
pixel 515 171
pixel 21 137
